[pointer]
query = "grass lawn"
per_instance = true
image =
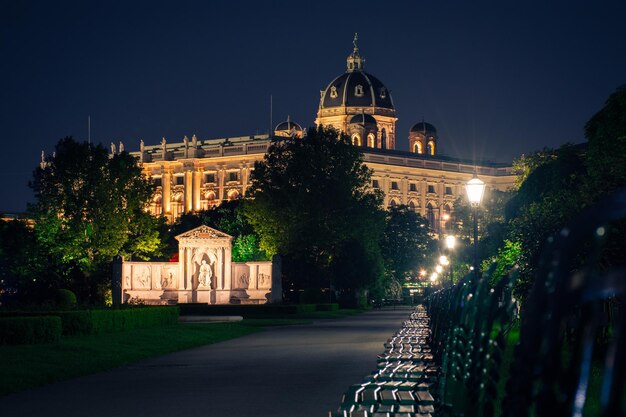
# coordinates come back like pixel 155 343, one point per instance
pixel 28 366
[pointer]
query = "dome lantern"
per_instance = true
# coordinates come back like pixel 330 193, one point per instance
pixel 355 61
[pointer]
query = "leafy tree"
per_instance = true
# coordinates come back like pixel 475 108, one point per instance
pixel 228 217
pixel 90 207
pixel 311 196
pixel 406 243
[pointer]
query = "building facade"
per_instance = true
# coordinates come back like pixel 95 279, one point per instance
pixel 195 175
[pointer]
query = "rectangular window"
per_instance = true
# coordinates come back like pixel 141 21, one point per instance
pixel 394 185
pixel 157 181
pixel 412 187
pixel 449 190
pixel 375 184
pixel 431 189
pixel 233 176
pixel 209 178
pixel 179 180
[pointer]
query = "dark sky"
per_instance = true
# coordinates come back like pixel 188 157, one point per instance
pixel 497 79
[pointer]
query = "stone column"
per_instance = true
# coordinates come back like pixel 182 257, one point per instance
pixel 189 267
pixel 405 191
pixel 424 187
pixel 228 268
pixel 220 182
pixel 188 191
pixel 181 268
pixel 219 269
pixel 166 184
pixel 197 180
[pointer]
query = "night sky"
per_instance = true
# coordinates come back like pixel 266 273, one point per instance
pixel 497 79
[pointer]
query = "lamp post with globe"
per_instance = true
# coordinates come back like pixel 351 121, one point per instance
pixel 475 190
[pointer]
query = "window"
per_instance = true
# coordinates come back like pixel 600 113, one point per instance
pixel 393 203
pixel 383 93
pixel 412 206
pixel 333 92
pixel 375 184
pixel 356 140
pixel 430 215
pixel 371 140
pixel 157 181
pixel 179 180
pixel 209 177
pixel 431 189
pixel 358 90
pixel 431 147
pixel 448 190
pixel 413 187
pixel 233 176
pixel 417 148
pixel 394 185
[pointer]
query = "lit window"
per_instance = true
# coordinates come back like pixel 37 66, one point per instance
pixel 431 147
pixel 417 148
pixel 333 92
pixel 356 140
pixel 358 90
pixel 371 140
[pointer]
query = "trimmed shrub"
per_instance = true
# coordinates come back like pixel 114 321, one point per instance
pixel 246 310
pixel 108 321
pixel 75 322
pixel 29 330
pixel 64 298
pixel 327 307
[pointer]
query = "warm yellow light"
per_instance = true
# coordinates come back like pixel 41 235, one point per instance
pixel 475 189
pixel 445 217
pixel 443 260
pixel 433 277
pixel 422 272
pixel 450 241
pixel 439 269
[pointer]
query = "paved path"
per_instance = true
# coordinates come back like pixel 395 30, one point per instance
pixel 295 371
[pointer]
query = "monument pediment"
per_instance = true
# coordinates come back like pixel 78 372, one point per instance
pixel 203 233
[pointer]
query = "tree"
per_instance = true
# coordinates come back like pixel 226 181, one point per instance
pixel 310 197
pixel 406 242
pixel 90 207
pixel 228 217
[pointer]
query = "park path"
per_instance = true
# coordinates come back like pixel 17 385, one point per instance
pixel 292 371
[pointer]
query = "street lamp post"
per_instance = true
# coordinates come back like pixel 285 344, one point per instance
pixel 475 189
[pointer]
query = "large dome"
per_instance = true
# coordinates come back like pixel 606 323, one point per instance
pixel 356 89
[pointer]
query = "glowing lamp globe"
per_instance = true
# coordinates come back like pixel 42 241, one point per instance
pixel 450 241
pixel 475 189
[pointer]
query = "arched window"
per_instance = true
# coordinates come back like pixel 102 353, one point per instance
pixel 233 195
pixel 356 140
pixel 412 206
pixel 358 90
pixel 371 140
pixel 431 147
pixel 383 138
pixel 156 207
pixel 430 216
pixel 392 203
pixel 418 148
pixel 177 205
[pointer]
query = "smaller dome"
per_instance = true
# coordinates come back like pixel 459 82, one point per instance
pixel 288 128
pixel 363 119
pixel 424 128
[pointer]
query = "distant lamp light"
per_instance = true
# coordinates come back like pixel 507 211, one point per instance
pixel 445 217
pixel 439 269
pixel 434 276
pixel 450 241
pixel 422 272
pixel 475 190
pixel 443 260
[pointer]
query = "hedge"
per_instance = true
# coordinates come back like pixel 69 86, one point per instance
pixel 82 322
pixel 29 330
pixel 327 307
pixel 246 310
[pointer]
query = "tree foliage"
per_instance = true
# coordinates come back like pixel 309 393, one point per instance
pixel 406 242
pixel 311 197
pixel 90 207
pixel 228 217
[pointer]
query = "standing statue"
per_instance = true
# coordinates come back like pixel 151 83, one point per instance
pixel 142 146
pixel 204 277
pixel 194 141
pixel 121 148
pixel 113 152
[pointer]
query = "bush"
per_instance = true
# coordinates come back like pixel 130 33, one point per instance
pixel 64 298
pixel 29 330
pixel 75 322
pixel 109 321
pixel 327 307
pixel 246 310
